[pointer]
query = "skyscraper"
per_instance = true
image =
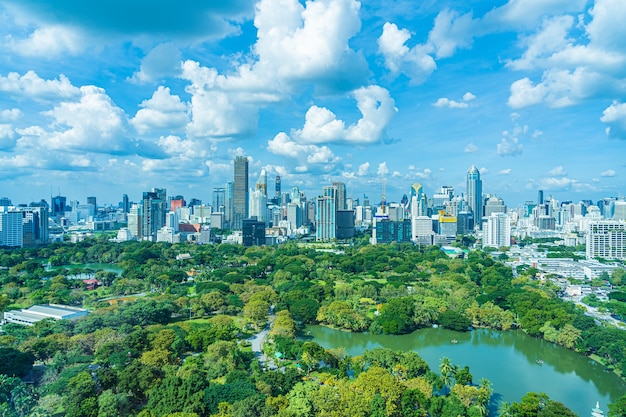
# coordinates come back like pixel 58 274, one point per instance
pixel 475 194
pixel 154 210
pixel 125 203
pixel 229 209
pixel 341 195
pixel 219 196
pixel 326 214
pixel 240 192
pixel 498 233
pixel 277 189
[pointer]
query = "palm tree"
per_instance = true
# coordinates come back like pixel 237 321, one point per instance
pixel 446 368
pixel 505 410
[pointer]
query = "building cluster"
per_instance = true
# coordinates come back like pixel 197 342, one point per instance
pixel 256 216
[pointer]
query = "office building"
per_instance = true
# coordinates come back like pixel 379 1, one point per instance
pixel 153 213
pixel 475 194
pixel 125 203
pixel 619 210
pixel 135 221
pixel 326 214
pixel 57 206
pixel 341 195
pixel 253 232
pixel 219 200
pixel 261 183
pixel 240 192
pixel 345 224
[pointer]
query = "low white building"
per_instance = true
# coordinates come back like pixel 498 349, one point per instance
pixel 31 315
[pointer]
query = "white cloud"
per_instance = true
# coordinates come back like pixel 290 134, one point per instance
pixel 470 148
pixel 615 117
pixel 376 106
pixel 161 62
pixel 451 32
pixel 312 154
pixel 446 102
pixel 556 183
pixel 93 124
pixel 187 148
pixel 10 115
pixel 364 169
pixel 426 173
pixel 49 41
pixel 506 171
pixel 382 169
pixel 551 38
pixel 162 111
pixel 558 171
pixel 30 85
pixel 415 62
pixel 608 173
pixel 6 132
pixel 509 147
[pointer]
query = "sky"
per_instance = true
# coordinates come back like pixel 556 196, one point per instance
pixel 106 98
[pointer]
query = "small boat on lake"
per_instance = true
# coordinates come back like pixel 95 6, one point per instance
pixel 539 361
pixel 454 341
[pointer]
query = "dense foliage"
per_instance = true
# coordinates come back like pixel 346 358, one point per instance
pixel 167 336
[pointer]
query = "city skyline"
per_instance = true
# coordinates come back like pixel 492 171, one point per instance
pixel 372 93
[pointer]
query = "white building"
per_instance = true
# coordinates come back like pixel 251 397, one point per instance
pixel 497 232
pixel 606 239
pixel 32 315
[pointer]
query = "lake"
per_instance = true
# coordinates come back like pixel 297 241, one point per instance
pixel 507 359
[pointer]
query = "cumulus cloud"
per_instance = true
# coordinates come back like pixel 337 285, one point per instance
pixel 161 62
pixel 470 148
pixel 376 106
pixel 446 102
pixel 10 115
pixel 505 171
pixel 364 169
pixel 187 148
pixel 556 183
pixel 608 173
pixel 31 85
pixel 49 41
pixel 312 154
pixel 558 171
pixel 615 117
pixel 509 147
pixel 382 169
pixel 452 31
pixel 415 62
pixel 162 111
pixel 92 124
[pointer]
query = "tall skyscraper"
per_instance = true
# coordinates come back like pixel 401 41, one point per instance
pixel 93 201
pixel 341 195
pixel 219 196
pixel 125 203
pixel 11 228
pixel 240 192
pixel 418 200
pixel 475 194
pixel 229 208
pixel 277 190
pixel 326 214
pixel 154 210
pixel 57 207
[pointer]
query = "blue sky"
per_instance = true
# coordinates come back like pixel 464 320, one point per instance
pixel 122 96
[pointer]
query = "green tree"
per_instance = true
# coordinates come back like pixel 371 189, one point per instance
pixel 80 397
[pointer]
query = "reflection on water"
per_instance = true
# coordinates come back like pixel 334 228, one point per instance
pixel 508 359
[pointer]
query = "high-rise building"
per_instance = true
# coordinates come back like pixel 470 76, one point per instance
pixel 229 208
pixel 326 214
pixel 153 214
pixel 5 202
pixel 258 205
pixel 11 228
pixel 341 195
pixel 475 194
pixel 135 221
pixel 277 190
pixel 540 197
pixel 418 200
pixel 219 197
pixel 494 205
pixel 619 210
pixel 606 239
pixel 177 202
pixel 240 192
pixel 35 224
pixel 57 206
pixel 498 231
pixel 125 203
pixel 93 201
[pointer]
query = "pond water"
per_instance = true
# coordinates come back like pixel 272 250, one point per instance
pixel 508 359
pixel 95 267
